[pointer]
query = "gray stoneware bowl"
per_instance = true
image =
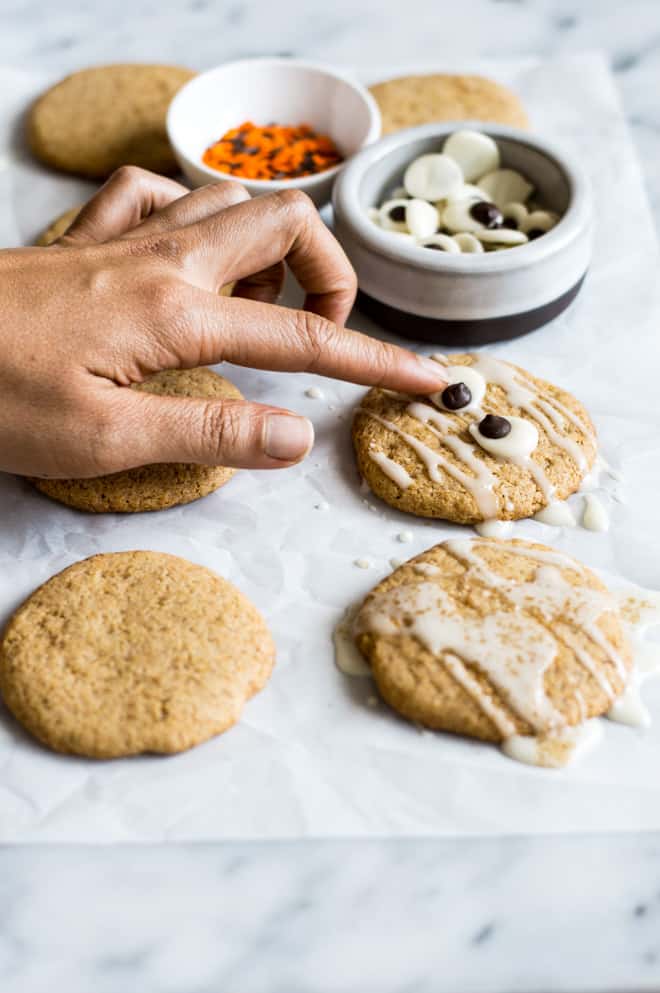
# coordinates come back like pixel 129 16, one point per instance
pixel 465 299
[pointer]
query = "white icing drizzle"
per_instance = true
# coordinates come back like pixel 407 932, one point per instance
pixel 348 657
pixel 426 569
pixel 548 412
pixel 427 611
pixel 513 654
pixel 474 381
pixel 594 515
pixel 519 443
pixel 489 706
pixel 557 514
pixel 480 486
pixel 552 597
pixel 640 611
pixel 554 750
pixel 494 529
pixel 392 469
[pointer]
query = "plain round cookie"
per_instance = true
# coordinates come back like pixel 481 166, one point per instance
pixel 104 117
pixel 408 101
pixel 516 490
pixel 58 227
pixel 151 487
pixel 133 652
pixel 421 686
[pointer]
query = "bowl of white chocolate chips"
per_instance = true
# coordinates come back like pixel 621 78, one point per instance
pixel 464 233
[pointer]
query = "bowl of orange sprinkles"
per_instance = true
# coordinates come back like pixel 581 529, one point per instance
pixel 272 151
pixel 271 124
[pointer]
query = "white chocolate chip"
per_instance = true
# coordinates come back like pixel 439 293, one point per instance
pixel 504 237
pixel 476 153
pixel 474 381
pixel 468 243
pixel 516 212
pixel 457 217
pixel 444 243
pixel 362 563
pixel 504 186
pixel 387 222
pixel 422 218
pixel 466 192
pixel 539 220
pixel 432 177
pixel 405 537
pixel 521 440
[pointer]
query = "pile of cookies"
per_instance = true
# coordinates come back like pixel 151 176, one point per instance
pixel 502 640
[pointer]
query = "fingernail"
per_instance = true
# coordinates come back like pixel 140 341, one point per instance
pixel 436 369
pixel 287 438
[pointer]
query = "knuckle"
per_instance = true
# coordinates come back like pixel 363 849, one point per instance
pixel 161 297
pixel 382 358
pixel 295 202
pixel 235 192
pixel 220 430
pixel 316 334
pixel 128 175
pixel 104 440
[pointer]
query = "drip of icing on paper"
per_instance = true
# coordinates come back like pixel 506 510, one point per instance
pixel 348 657
pixel 594 515
pixel 555 750
pixel 557 514
pixel 640 610
pixel 494 529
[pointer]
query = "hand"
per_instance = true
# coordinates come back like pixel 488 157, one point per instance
pixel 132 288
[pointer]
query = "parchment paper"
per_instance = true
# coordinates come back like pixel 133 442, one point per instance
pixel 309 756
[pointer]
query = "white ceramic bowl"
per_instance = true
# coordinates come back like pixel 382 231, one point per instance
pixel 465 299
pixel 263 90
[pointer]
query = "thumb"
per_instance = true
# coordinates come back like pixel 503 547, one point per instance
pixel 216 432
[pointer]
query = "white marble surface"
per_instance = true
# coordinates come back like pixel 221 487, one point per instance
pixel 512 916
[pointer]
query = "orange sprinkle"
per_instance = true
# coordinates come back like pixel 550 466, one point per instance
pixel 275 151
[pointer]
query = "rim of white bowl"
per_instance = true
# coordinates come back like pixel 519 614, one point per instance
pixel 301 182
pixel 572 223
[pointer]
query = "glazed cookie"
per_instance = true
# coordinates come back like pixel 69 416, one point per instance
pixel 133 652
pixel 58 227
pixel 494 639
pixel 151 487
pixel 411 100
pixel 101 118
pixel 498 444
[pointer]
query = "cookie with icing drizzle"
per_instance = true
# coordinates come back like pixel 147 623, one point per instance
pixel 494 639
pixel 424 458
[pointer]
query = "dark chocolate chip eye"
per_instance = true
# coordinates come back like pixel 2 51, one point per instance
pixel 436 248
pixel 534 233
pixel 487 214
pixel 456 396
pixel 493 426
pixel 398 213
pixel 511 223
